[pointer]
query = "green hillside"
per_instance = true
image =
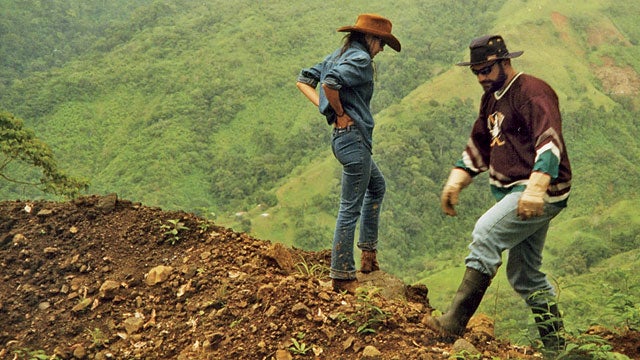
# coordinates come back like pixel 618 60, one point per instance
pixel 419 138
pixel 192 105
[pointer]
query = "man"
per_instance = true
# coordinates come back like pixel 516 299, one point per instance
pixel 517 137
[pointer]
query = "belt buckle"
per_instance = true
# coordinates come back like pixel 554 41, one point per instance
pixel 342 130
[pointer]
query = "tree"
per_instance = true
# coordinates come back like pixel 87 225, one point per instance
pixel 18 144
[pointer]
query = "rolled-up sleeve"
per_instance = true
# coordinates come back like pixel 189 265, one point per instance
pixel 310 76
pixel 351 73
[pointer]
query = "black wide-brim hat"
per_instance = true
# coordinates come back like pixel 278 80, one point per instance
pixel 375 25
pixel 489 48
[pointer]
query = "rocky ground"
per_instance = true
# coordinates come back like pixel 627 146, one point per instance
pixel 105 278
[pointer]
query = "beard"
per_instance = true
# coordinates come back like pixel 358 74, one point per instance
pixel 497 84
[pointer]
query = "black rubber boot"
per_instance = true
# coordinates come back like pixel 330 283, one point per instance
pixel 464 305
pixel 550 326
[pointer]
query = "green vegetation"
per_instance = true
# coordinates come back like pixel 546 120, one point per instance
pixel 298 347
pixel 172 230
pixel 28 354
pixel 165 107
pixel 368 314
pixel 465 355
pixel 192 105
pixel 586 346
pixel 317 271
pixel 98 338
pixel 21 151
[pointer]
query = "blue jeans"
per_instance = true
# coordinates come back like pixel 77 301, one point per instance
pixel 363 188
pixel 500 229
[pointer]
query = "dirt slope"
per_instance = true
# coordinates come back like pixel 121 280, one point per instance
pixel 105 278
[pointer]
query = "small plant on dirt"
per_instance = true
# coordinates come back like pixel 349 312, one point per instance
pixel 465 355
pixel 316 270
pixel 28 354
pixel 298 347
pixel 83 304
pixel 207 222
pixel 98 338
pixel 172 230
pixel 369 315
pixel 204 225
pixel 342 317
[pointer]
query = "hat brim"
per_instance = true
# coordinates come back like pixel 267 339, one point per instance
pixel 512 55
pixel 389 39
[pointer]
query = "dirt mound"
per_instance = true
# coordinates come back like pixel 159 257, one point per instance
pixel 104 278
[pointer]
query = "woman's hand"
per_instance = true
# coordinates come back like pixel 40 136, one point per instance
pixel 343 121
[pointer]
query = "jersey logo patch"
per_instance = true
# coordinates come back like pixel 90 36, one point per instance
pixel 494 123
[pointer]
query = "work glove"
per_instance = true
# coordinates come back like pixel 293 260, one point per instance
pixel 458 180
pixel 531 202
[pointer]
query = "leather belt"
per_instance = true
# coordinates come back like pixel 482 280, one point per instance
pixel 349 124
pixel 337 130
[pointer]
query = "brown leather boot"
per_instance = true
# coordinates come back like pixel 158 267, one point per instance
pixel 345 285
pixel 368 262
pixel 464 305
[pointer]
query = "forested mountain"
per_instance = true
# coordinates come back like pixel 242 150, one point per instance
pixel 192 105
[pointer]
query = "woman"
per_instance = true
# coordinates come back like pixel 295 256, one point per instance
pixel 346 77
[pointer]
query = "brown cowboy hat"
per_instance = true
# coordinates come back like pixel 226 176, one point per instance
pixel 375 25
pixel 488 48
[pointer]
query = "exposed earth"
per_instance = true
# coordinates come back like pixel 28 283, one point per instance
pixel 105 278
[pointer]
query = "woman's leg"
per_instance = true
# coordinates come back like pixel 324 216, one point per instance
pixel 355 158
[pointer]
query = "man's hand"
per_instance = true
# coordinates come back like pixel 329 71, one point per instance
pixel 531 202
pixel 458 180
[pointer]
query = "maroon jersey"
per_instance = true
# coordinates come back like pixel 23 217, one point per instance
pixel 519 130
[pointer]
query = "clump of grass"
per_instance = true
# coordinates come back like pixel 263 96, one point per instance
pixel 316 270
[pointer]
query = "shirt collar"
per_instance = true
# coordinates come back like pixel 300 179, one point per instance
pixel 500 93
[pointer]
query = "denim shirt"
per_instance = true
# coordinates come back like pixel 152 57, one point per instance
pixel 352 74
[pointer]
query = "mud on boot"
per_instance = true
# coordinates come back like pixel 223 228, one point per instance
pixel 345 285
pixel 465 303
pixel 368 261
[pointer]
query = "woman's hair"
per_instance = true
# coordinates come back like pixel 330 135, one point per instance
pixel 355 36
pixel 350 38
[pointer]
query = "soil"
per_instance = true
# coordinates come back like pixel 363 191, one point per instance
pixel 105 278
pixel 618 80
